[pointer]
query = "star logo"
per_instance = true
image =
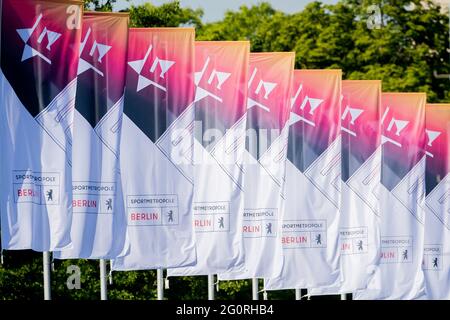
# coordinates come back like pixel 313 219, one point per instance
pixel 308 109
pixel 138 66
pixel 263 87
pixel 354 114
pixel 30 52
pixel 431 137
pixel 99 48
pixel 215 77
pixel 395 126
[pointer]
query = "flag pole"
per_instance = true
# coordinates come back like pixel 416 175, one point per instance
pixel 264 292
pixel 210 287
pixel 255 289
pixel 298 294
pixel 159 284
pixel 103 279
pixel 46 266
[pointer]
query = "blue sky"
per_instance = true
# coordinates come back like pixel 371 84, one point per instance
pixel 215 9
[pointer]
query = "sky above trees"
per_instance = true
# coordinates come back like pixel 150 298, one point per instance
pixel 214 10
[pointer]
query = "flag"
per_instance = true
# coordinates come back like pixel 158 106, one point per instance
pixel 156 152
pixel 39 59
pixel 269 91
pixel 399 274
pixel 311 221
pixel 359 234
pixel 435 263
pixel 99 221
pixel 220 119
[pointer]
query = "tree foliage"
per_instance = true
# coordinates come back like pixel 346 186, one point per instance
pixel 99 5
pixel 409 44
pixel 167 15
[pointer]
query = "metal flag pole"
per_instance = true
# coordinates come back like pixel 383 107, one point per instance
pixel 210 287
pixel 298 294
pixel 255 289
pixel 265 296
pixel 103 280
pixel 47 284
pixel 160 284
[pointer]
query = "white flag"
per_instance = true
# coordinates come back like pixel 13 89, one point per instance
pixel 311 221
pixel 99 221
pixel 399 274
pixel 39 60
pixel 220 102
pixel 436 262
pixel 156 149
pixel 269 90
pixel 359 235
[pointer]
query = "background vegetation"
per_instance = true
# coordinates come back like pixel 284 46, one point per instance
pixel 407 48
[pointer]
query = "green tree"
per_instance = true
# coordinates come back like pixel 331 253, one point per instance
pixel 408 48
pixel 99 5
pixel 167 15
pixel 404 50
pixel 256 24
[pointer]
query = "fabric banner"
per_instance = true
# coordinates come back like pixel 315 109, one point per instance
pixel 436 264
pixel 269 91
pixel 98 222
pixel 359 235
pixel 156 149
pixel 311 222
pixel 399 274
pixel 220 119
pixel 39 59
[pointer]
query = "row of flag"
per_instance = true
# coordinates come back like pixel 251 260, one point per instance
pixel 144 146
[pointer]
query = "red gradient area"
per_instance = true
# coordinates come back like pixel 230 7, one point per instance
pixel 360 122
pixel 159 77
pixel 170 44
pixel 437 144
pixel 222 75
pixel 315 114
pixel 54 18
pixel 46 29
pixel 111 30
pixel 273 68
pixel 403 134
pixel 325 85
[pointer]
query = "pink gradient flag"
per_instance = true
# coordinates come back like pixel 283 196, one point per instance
pixel 39 58
pixel 359 234
pixel 399 274
pixel 269 91
pixel 98 223
pixel 157 148
pixel 310 224
pixel 220 105
pixel 436 265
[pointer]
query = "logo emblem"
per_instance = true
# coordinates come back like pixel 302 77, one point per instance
pixel 354 114
pixel 109 204
pixel 395 127
pixel 30 52
pixel 431 137
pixel 49 195
pixel 216 77
pixel 308 112
pixel 263 87
pixel 101 49
pixel 138 66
